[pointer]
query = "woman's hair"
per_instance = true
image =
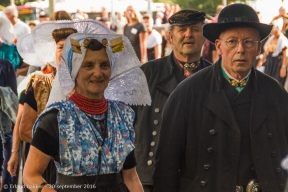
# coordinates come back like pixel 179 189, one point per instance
pixel 94 45
pixel 136 18
pixel 62 33
pixel 60 15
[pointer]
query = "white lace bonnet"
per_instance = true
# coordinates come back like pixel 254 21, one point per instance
pixel 127 82
pixel 6 29
pixel 39 47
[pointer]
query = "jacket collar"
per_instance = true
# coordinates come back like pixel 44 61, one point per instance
pixel 218 103
pixel 174 76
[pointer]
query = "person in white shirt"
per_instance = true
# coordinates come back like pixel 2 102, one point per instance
pixel 153 41
pixel 20 28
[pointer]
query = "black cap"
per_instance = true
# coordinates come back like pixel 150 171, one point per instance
pixel 186 17
pixel 235 15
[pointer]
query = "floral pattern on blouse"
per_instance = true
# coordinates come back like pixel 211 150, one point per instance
pixel 79 139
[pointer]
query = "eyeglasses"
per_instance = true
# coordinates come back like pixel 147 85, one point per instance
pixel 247 43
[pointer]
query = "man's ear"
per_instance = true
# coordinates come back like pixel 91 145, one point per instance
pixel 218 46
pixel 170 37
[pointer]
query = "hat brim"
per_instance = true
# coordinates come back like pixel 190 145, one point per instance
pixel 211 31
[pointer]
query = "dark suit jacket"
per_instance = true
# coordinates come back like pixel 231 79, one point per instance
pixel 163 75
pixel 199 129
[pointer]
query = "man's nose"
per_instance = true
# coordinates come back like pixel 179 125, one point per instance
pixel 188 33
pixel 240 46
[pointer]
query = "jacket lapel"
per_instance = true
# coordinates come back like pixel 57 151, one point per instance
pixel 261 106
pixel 173 78
pixel 218 102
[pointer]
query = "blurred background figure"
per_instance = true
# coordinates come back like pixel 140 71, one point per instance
pixel 136 33
pixel 166 42
pixel 7 36
pixel 120 23
pixel 105 21
pixel 104 12
pixel 209 50
pixel 20 28
pixel 154 39
pixel 32 24
pixel 218 10
pixel 167 8
pixel 174 9
pixel 60 15
pixel 284 16
pixel 275 53
pixel 159 18
pixel 43 16
pixel 80 15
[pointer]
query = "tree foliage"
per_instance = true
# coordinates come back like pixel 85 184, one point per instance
pixel 208 6
pixel 5 3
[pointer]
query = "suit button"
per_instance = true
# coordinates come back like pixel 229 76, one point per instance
pixel 203 183
pixel 151 154
pixel 156 122
pixel 154 133
pixel 278 170
pixel 281 186
pixel 210 150
pixel 253 168
pixel 150 162
pixel 157 110
pixel 206 167
pixel 273 154
pixel 212 132
pixel 152 143
pixel 269 135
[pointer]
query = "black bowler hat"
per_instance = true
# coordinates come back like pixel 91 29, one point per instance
pixel 235 15
pixel 186 17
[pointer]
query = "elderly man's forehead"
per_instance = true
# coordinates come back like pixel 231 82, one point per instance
pixel 235 30
pixel 198 24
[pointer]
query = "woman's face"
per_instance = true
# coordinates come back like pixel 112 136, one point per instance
pixel 94 74
pixel 59 50
pixel 130 14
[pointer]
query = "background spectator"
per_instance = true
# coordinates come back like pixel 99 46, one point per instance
pixel 159 18
pixel 136 33
pixel 20 28
pixel 167 8
pixel 120 23
pixel 154 39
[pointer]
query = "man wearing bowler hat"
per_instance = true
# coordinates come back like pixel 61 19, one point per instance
pixel 163 75
pixel 225 129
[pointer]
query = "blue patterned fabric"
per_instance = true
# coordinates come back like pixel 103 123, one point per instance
pixel 79 139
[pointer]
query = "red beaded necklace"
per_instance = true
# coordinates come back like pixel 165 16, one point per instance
pixel 90 106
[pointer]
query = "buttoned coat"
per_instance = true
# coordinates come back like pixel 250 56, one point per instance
pixel 199 142
pixel 163 75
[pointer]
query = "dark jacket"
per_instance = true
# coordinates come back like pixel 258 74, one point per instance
pixel 199 142
pixel 7 75
pixel 163 75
